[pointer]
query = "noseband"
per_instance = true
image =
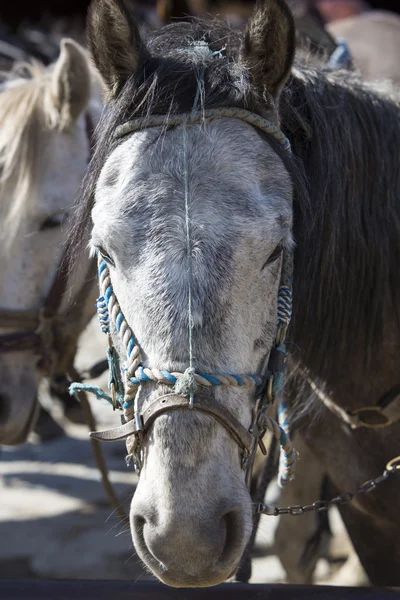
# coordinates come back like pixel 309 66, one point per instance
pixel 34 329
pixel 125 383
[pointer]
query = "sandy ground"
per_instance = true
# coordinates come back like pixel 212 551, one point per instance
pixel 55 520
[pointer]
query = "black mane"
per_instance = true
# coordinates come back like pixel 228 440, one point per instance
pixel 345 138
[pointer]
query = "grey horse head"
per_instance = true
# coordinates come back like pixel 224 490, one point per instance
pixel 191 515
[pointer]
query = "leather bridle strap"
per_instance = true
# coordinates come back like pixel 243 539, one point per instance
pixel 29 319
pixel 172 402
pixel 57 290
pixel 28 335
pixel 19 341
pixel 24 336
pixel 383 414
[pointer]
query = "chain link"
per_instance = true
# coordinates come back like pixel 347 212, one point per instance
pixel 323 505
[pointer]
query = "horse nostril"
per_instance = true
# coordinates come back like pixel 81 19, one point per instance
pixel 233 521
pixel 138 524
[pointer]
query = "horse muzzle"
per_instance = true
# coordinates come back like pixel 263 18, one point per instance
pixel 185 550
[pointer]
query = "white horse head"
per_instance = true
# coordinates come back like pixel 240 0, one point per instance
pixel 191 515
pixel 44 151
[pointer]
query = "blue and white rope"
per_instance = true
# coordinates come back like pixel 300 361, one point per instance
pixel 108 305
pixel 115 314
pixel 102 313
pixel 134 373
pixel 288 455
pixel 143 375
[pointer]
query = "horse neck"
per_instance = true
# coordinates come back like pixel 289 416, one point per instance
pixel 346 283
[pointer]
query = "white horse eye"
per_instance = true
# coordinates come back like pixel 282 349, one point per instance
pixel 50 223
pixel 273 257
pixel 53 221
pixel 105 256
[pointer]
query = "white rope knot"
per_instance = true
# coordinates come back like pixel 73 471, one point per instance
pixel 186 384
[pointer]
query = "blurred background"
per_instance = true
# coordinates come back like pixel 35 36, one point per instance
pixel 36 27
pixel 55 520
pixel 27 23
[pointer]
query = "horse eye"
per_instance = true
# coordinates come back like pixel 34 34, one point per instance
pixel 274 256
pixel 50 223
pixel 105 256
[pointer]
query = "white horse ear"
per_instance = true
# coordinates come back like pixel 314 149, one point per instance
pixel 114 42
pixel 268 47
pixel 70 83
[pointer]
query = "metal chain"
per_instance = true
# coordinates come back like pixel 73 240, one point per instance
pixel 324 505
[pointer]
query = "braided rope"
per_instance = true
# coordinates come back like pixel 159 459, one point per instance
pixel 198 117
pixel 108 305
pixel 102 313
pixel 285 289
pixel 135 373
pixel 226 379
pixel 143 375
pixel 288 455
pixel 109 308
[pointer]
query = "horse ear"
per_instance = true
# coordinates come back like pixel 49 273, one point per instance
pixel 268 46
pixel 114 42
pixel 70 83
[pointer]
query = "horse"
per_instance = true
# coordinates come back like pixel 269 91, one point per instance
pixel 219 157
pixel 46 119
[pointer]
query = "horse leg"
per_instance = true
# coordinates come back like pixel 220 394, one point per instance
pixel 372 520
pixel 376 544
pixel 299 541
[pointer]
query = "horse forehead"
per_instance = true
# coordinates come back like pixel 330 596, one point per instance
pixel 226 152
pixel 223 142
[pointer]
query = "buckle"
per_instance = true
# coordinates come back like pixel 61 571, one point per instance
pixel 370 417
pixel 394 464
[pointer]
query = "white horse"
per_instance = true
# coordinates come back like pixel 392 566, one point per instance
pixel 44 150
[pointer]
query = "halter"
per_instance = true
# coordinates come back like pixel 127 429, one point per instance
pixel 34 327
pixel 125 382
